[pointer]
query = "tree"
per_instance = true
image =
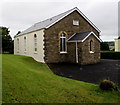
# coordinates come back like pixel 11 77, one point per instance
pixel 7 42
pixel 104 46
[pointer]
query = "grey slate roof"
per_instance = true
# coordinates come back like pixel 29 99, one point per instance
pixel 82 36
pixel 45 23
pixel 49 22
pixel 79 36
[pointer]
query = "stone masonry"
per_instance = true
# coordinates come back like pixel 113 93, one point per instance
pixel 52 40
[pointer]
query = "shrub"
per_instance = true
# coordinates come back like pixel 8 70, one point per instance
pixel 110 55
pixel 108 85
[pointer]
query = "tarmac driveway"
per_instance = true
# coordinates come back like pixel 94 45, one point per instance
pixel 106 69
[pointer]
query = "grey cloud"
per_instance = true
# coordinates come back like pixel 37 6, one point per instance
pixel 21 15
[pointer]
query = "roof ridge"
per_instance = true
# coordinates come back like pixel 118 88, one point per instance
pixel 51 21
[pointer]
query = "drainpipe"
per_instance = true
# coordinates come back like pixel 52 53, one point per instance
pixel 76 53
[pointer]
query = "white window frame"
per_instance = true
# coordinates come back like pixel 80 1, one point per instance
pixel 91 46
pixel 25 44
pixel 18 44
pixel 63 37
pixel 76 22
pixel 35 43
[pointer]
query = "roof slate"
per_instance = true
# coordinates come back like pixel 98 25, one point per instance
pixel 45 23
pixel 82 36
pixel 79 36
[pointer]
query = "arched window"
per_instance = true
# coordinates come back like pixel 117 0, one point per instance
pixel 63 43
pixel 24 43
pixel 35 42
pixel 91 45
pixel 18 44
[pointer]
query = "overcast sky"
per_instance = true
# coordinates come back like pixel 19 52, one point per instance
pixel 20 15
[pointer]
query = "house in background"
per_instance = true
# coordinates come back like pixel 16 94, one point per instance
pixel 112 48
pixel 117 44
pixel 67 37
pixel 111 45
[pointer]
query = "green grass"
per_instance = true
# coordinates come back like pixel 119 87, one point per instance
pixel 27 81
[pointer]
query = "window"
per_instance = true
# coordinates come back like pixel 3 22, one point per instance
pixel 35 42
pixel 91 46
pixel 76 22
pixel 24 43
pixel 63 43
pixel 18 44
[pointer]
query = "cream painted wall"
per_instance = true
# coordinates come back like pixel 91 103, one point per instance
pixel 39 55
pixel 117 45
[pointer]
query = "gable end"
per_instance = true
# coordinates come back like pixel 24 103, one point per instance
pixel 80 13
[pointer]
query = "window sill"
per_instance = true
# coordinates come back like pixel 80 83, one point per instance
pixel 75 25
pixel 63 52
pixel 91 52
pixel 35 52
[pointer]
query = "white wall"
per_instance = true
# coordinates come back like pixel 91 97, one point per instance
pixel 39 55
pixel 117 45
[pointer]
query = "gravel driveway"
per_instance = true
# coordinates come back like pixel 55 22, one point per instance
pixel 106 69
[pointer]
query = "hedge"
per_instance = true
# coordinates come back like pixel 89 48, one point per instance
pixel 110 55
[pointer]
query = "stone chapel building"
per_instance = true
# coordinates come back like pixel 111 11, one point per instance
pixel 67 37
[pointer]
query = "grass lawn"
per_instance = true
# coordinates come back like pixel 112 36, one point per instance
pixel 27 81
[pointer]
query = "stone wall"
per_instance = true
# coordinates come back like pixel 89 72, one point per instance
pixel 51 38
pixel 87 57
pixel 80 52
pixel 71 57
